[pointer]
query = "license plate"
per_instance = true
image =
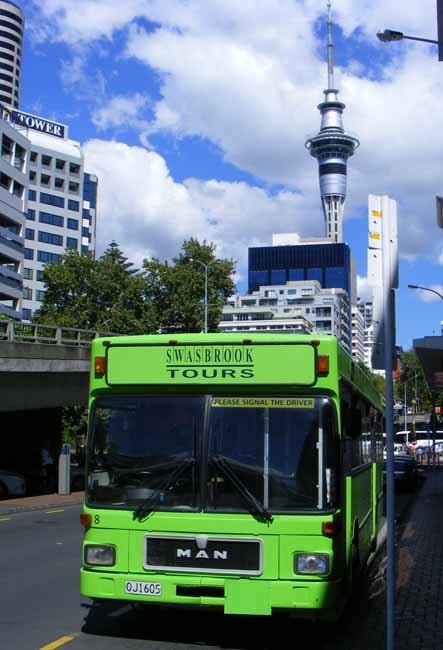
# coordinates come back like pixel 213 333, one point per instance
pixel 137 588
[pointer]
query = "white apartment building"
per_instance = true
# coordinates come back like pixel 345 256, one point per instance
pixel 61 207
pixel 13 183
pixel 299 307
pixel 358 336
pixel 366 309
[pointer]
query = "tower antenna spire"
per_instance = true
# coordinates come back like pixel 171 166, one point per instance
pixel 332 147
pixel 330 50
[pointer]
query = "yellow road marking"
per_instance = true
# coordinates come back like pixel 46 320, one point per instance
pixel 50 512
pixel 57 643
pixel 5 519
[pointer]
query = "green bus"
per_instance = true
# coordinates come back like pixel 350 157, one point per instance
pixel 241 471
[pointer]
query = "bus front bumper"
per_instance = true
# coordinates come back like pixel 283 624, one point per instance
pixel 248 596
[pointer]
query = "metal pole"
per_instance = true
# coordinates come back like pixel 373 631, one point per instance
pixel 388 266
pixel 390 503
pixel 404 414
pixel 206 297
pixel 434 427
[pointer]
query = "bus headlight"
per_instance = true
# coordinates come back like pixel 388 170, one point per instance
pixel 99 555
pixel 311 563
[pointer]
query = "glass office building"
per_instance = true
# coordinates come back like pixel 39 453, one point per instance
pixel 329 264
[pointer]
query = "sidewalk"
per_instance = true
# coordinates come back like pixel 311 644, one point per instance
pixel 419 556
pixel 10 506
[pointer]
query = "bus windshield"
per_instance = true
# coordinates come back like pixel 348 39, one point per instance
pixel 250 454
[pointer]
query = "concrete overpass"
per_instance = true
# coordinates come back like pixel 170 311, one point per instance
pixel 42 366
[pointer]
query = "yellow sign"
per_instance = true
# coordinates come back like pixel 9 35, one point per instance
pixel 264 402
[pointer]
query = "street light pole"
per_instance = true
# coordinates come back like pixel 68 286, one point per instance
pixel 393 35
pixel 206 268
pixel 415 286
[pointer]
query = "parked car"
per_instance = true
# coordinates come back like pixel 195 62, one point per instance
pixel 11 484
pixel 406 472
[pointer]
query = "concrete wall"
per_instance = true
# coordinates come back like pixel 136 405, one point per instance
pixel 38 376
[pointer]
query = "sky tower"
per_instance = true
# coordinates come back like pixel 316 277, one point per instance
pixel 332 148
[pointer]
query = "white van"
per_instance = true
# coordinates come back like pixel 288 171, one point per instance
pixel 422 439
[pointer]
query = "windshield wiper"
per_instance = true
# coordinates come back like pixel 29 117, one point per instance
pixel 225 464
pixel 152 502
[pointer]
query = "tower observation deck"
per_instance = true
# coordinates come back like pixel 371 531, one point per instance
pixel 332 148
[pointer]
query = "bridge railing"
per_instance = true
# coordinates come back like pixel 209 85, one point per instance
pixel 48 334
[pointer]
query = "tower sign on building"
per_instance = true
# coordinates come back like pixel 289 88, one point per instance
pixel 332 147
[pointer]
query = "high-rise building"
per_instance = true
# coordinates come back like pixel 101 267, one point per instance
pixel 13 184
pixel 12 24
pixel 295 307
pixel 332 148
pixel 61 207
pixel 332 265
pixel 358 336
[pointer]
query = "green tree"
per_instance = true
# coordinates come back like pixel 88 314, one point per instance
pixel 177 290
pixel 106 295
pixel 410 366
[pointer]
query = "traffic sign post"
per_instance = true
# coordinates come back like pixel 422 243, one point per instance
pixel 383 278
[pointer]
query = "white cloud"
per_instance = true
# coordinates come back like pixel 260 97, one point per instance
pixel 364 291
pixel 149 214
pixel 248 75
pixel 121 111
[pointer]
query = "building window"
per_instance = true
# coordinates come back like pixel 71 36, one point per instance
pixel 27 293
pixel 17 189
pixel 32 195
pixel 7 146
pixel 71 242
pixel 5 181
pixel 28 274
pixel 73 187
pixel 29 254
pixel 19 158
pixel 7 57
pixel 52 219
pixel 46 160
pixel 278 276
pixel 45 180
pixel 26 314
pixel 39 275
pixel 85 233
pixel 85 250
pixel 60 164
pixel 44 256
pixel 34 156
pixel 50 199
pixel 6 66
pixel 50 238
pixel 6 77
pixel 29 233
pixel 72 224
pixel 59 183
pixel 32 176
pixel 73 168
pixel 40 295
pixel 73 205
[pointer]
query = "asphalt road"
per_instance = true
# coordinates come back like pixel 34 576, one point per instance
pixel 41 606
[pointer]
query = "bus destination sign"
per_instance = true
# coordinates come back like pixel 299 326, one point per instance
pixel 211 364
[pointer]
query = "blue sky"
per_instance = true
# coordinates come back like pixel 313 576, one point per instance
pixel 194 115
